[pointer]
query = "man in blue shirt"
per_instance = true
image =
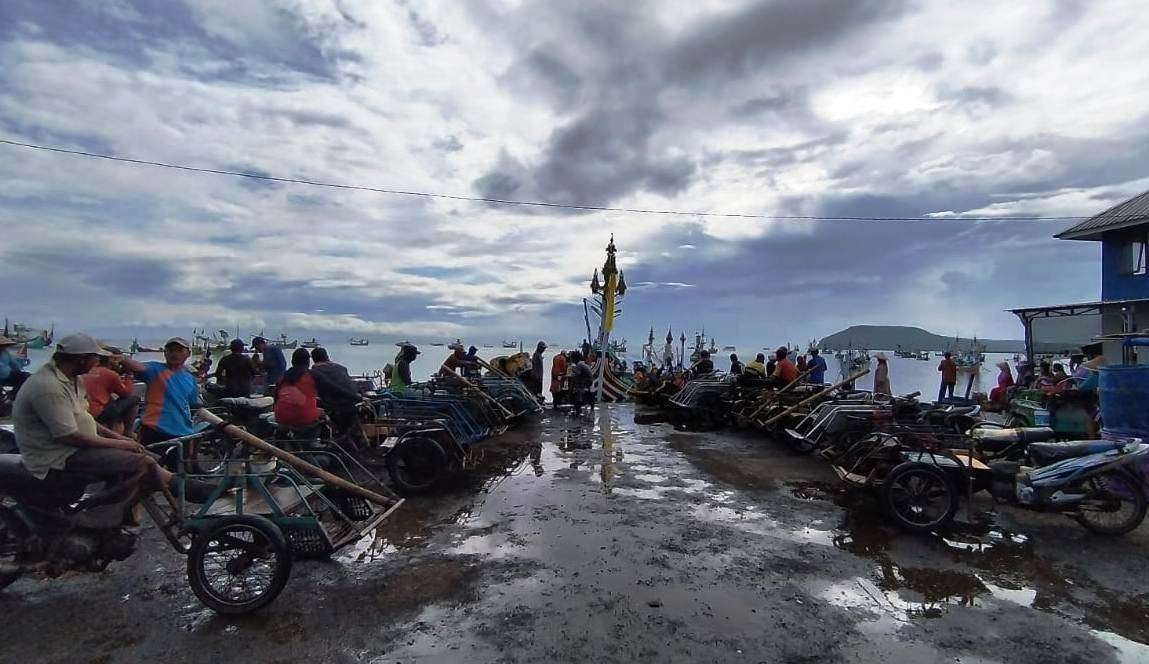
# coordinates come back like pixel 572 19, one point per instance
pixel 11 371
pixel 817 367
pixel 274 363
pixel 172 394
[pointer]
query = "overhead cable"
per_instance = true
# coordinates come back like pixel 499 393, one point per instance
pixel 510 202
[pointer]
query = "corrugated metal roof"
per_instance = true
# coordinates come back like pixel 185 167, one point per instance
pixel 1132 212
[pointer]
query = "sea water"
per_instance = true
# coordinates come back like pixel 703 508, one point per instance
pixel 906 375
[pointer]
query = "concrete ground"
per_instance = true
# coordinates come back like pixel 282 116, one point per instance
pixel 602 540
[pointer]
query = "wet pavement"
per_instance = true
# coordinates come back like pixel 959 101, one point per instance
pixel 599 539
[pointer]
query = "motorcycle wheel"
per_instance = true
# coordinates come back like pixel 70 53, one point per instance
pixel 919 497
pixel 1116 505
pixel 13 532
pixel 417 465
pixel 239 564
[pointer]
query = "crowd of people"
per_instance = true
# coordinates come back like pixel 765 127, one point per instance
pixel 77 411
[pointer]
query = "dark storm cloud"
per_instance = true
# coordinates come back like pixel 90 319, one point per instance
pixel 115 276
pixel 736 44
pixel 787 155
pixel 138 29
pixel 542 72
pixel 428 33
pixel 447 143
pixel 619 138
pixel 986 95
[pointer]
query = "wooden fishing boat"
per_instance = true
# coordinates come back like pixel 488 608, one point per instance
pixel 314 343
pixel 22 334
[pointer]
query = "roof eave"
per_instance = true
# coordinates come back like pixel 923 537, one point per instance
pixel 1095 234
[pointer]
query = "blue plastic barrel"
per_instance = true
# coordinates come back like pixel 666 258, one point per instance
pixel 1123 391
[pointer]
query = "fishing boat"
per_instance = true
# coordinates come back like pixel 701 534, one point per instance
pixel 510 344
pixel 137 348
pixel 923 355
pixel 852 361
pixel 618 347
pixel 22 334
pixel 612 380
pixel 728 349
pixel 358 342
pixel 438 343
pixel 218 341
pixel 314 343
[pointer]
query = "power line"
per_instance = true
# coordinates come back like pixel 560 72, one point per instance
pixel 502 201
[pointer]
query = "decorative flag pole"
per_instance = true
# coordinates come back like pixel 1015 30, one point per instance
pixel 612 289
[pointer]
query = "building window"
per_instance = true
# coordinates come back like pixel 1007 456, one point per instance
pixel 1134 258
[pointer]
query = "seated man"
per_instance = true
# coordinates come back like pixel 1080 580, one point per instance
pixel 703 366
pixel 110 398
pixel 336 390
pixel 55 433
pixel 235 371
pixel 296 397
pixel 785 372
pixel 757 368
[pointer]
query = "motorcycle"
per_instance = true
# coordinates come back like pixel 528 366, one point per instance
pixel 1101 484
pixel 237 563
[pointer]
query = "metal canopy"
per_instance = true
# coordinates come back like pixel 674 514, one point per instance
pixel 1030 314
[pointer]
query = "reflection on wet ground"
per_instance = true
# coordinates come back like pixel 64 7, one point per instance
pixel 976 567
pixel 601 538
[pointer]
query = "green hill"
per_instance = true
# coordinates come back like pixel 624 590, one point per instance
pixel 892 337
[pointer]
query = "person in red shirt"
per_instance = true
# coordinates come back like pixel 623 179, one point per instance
pixel 110 398
pixel 785 372
pixel 296 397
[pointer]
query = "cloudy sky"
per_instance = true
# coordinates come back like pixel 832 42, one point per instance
pixel 783 107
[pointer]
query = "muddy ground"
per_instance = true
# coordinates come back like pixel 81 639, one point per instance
pixel 602 540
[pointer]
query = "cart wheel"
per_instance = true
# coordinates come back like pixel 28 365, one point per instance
pixel 919 497
pixel 1116 505
pixel 239 564
pixel 417 465
pixel 13 532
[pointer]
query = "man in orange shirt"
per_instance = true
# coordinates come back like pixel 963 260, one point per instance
pixel 949 370
pixel 110 398
pixel 785 372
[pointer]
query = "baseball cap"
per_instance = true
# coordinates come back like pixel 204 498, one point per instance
pixel 80 344
pixel 236 344
pixel 178 341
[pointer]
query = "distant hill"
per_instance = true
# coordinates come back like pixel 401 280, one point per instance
pixel 891 337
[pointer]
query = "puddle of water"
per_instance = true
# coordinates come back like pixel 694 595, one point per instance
pixel 654 493
pixel 1128 652
pixel 1020 596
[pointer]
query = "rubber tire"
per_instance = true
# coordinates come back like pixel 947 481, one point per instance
pixel 886 497
pixel 10 522
pixel 280 548
pixel 436 458
pixel 1141 505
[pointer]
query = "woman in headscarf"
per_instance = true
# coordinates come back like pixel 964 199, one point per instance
pixel 999 395
pixel 882 376
pixel 296 397
pixel 558 375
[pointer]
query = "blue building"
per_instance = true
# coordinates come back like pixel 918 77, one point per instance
pixel 1123 231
